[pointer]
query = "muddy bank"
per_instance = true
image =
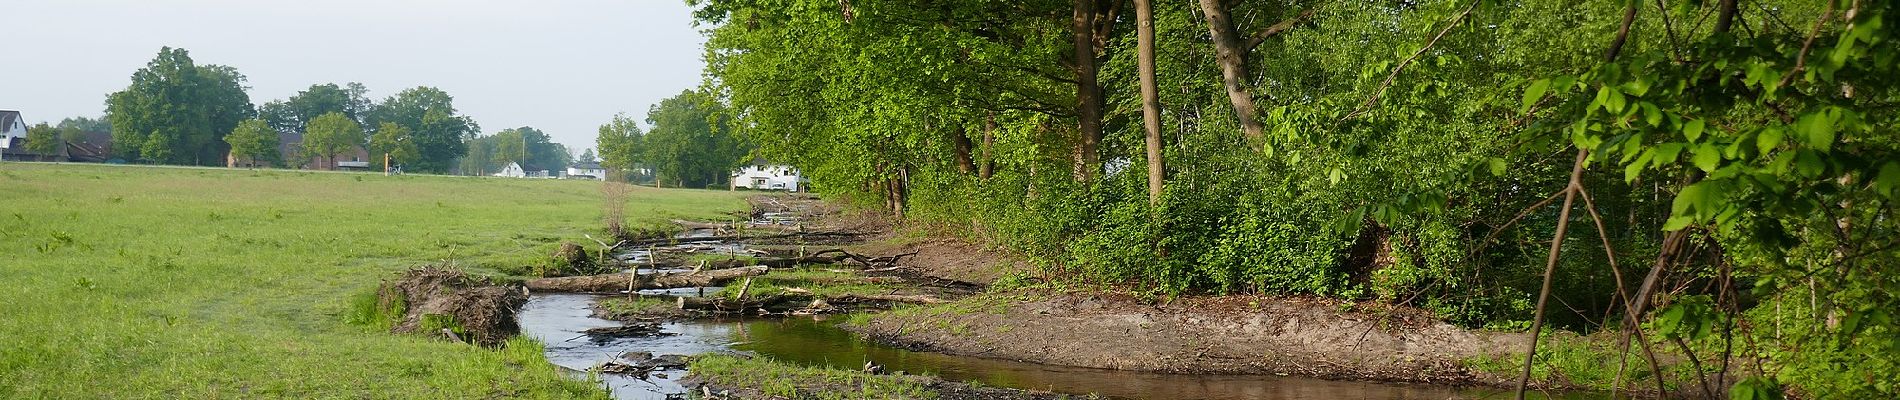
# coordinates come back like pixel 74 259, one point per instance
pixel 1226 335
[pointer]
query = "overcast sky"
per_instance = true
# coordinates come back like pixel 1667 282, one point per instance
pixel 563 66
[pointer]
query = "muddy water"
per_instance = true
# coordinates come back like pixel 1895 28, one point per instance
pixel 557 319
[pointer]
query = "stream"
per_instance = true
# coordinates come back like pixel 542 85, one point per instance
pixel 557 319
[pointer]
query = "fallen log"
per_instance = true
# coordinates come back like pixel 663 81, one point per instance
pixel 621 281
pixel 796 298
pixel 895 298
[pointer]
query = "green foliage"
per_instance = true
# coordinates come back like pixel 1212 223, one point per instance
pixel 1409 153
pixel 393 141
pixel 439 135
pixel 177 112
pixel 539 152
pixel 619 143
pixel 691 143
pixel 46 139
pixel 294 114
pixel 331 135
pixel 254 141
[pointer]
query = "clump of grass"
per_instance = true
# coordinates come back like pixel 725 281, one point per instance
pixel 368 309
pixel 782 380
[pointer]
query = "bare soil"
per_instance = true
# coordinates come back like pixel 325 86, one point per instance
pixel 1211 335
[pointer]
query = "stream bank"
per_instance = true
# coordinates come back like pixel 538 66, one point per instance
pixel 1059 342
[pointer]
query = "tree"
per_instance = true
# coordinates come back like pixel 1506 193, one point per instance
pixel 331 135
pixel 529 147
pixel 691 144
pixel 292 114
pixel 45 139
pixel 440 136
pixel 85 124
pixel 586 157
pixel 619 142
pixel 1150 96
pixel 254 141
pixel 393 142
pixel 176 111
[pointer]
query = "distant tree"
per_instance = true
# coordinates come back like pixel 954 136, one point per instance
pixel 176 111
pixel 440 136
pixel 44 139
pixel 331 135
pixel 254 141
pixel 619 144
pixel 530 147
pixel 691 144
pixel 85 124
pixel 587 156
pixel 291 115
pixel 395 142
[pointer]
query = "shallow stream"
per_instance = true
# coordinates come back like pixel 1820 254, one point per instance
pixel 557 319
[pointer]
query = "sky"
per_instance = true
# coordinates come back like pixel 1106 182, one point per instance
pixel 562 66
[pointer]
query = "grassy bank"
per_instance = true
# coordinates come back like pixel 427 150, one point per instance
pixel 143 282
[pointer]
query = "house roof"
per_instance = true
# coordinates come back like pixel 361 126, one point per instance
pixel 590 165
pixel 7 117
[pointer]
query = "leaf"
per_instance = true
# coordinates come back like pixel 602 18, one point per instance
pixel 1497 166
pixel 1808 163
pixel 1534 93
pixel 1889 179
pixel 1637 87
pixel 1651 114
pixel 1636 168
pixel 1816 130
pixel 1676 223
pixel 1689 196
pixel 1693 129
pixel 1707 157
pixel 1768 140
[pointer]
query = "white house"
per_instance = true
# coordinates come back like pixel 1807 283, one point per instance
pixel 766 176
pixel 591 170
pixel 514 170
pixel 11 127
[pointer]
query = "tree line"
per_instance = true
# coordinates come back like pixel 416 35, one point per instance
pixel 176 111
pixel 691 143
pixel 1718 174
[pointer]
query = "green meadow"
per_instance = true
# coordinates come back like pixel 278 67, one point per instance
pixel 158 282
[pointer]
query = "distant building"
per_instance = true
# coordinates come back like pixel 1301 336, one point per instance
pixel 761 175
pixel 12 135
pixel 13 141
pixel 591 170
pixel 290 145
pixel 516 170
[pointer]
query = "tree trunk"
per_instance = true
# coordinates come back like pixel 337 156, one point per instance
pixel 1233 67
pixel 620 281
pixel 1150 94
pixel 989 141
pixel 1088 92
pixel 961 139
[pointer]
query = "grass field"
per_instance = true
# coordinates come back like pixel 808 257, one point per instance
pixel 149 282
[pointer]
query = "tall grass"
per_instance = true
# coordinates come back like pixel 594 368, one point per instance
pixel 152 282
